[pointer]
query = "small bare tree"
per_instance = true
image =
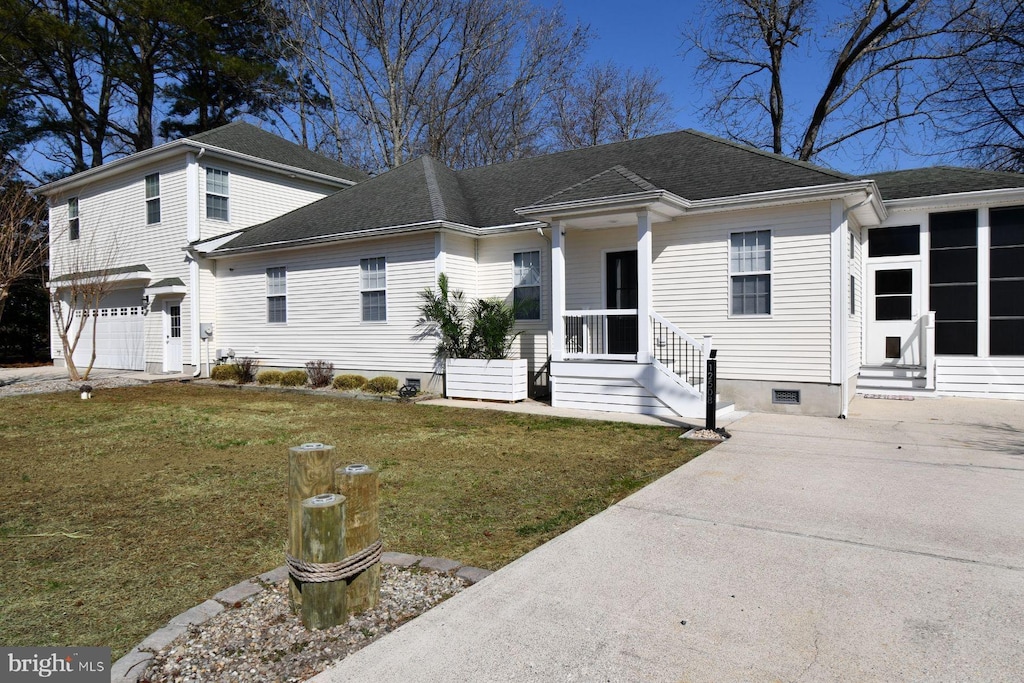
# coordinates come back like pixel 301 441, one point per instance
pixel 22 234
pixel 76 295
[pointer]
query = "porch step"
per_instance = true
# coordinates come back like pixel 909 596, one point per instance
pixel 875 378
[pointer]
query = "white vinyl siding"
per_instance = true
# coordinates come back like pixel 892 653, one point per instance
pixel 373 283
pixel 217 194
pixel 526 279
pixel 495 277
pixel 459 263
pixel 152 198
pixel 324 307
pixel 691 256
pixel 855 324
pixel 256 196
pixel 750 272
pixel 277 295
pixel 584 264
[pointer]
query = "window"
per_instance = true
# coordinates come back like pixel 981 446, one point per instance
pixel 73 218
pixel 750 265
pixel 526 285
pixel 216 194
pixel 953 291
pixel 153 198
pixel 373 286
pixel 853 295
pixel 894 294
pixel 1006 282
pixel 903 240
pixel 277 295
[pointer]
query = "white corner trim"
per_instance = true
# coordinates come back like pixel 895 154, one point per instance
pixel 837 291
pixel 191 197
pixel 440 256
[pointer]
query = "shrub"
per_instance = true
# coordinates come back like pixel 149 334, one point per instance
pixel 320 373
pixel 294 378
pixel 349 382
pixel 246 369
pixel 225 372
pixel 382 385
pixel 269 377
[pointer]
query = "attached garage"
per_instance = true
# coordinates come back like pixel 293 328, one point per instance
pixel 120 333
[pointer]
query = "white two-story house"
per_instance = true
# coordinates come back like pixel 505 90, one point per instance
pixel 630 263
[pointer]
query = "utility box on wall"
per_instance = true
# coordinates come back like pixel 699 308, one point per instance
pixel 205 330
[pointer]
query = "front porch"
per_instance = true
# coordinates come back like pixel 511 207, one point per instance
pixel 610 349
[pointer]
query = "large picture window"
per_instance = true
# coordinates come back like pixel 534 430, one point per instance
pixel 1006 282
pixel 526 285
pixel 373 289
pixel 750 272
pixel 277 295
pixel 153 198
pixel 216 194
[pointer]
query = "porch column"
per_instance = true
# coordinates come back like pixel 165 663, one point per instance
pixel 557 292
pixel 645 289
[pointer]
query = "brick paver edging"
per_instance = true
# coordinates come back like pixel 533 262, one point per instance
pixel 130 668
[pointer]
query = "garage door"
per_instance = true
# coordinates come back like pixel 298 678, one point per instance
pixel 120 334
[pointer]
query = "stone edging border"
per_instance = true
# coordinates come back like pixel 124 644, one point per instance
pixel 130 668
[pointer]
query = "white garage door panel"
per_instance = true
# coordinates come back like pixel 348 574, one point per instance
pixel 120 334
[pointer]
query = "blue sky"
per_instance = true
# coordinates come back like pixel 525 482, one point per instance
pixel 646 33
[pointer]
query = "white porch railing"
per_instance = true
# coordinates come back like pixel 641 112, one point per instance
pixel 592 334
pixel 678 352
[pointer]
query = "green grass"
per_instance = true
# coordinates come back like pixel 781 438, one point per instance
pixel 120 512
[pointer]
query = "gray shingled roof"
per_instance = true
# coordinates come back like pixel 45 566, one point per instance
pixel 419 191
pixel 689 164
pixel 246 138
pixel 121 270
pixel 936 180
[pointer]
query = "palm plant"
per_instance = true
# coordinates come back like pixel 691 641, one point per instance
pixel 481 330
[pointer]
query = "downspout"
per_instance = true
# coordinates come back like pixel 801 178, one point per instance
pixel 844 329
pixel 193 234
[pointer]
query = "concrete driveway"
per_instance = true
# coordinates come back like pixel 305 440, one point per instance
pixel 886 547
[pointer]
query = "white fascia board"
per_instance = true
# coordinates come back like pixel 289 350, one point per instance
pixel 171 149
pixel 849 192
pixel 1010 195
pixel 166 290
pixel 117 278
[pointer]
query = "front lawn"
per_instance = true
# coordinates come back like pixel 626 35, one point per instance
pixel 120 512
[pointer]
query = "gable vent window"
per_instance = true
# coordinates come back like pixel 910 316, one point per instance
pixel 373 289
pixel 750 266
pixel 277 295
pixel 73 218
pixel 152 199
pixel 526 289
pixel 216 194
pixel 786 396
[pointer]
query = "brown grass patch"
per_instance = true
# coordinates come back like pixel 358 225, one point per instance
pixel 120 512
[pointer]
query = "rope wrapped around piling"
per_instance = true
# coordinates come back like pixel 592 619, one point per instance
pixel 314 572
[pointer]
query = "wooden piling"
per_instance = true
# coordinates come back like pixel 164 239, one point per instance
pixel 359 485
pixel 323 541
pixel 310 472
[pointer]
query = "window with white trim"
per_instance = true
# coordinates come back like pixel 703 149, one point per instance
pixel 373 289
pixel 216 194
pixel 750 272
pixel 277 295
pixel 526 285
pixel 152 198
pixel 73 218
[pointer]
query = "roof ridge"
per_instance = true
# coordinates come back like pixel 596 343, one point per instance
pixel 635 178
pixel 230 124
pixel 437 207
pixel 772 155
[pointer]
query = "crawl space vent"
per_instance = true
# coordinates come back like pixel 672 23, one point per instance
pixel 786 396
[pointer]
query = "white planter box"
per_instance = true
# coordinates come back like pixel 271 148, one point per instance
pixel 495 380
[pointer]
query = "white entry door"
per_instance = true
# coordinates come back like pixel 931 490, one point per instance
pixel 172 337
pixel 894 310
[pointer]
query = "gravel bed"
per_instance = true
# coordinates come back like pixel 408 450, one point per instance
pixel 263 641
pixel 49 386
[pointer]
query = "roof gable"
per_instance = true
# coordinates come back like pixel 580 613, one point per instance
pixel 245 138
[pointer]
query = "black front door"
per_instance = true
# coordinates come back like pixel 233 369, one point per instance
pixel 621 278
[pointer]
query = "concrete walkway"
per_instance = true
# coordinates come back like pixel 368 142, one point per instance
pixel 886 547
